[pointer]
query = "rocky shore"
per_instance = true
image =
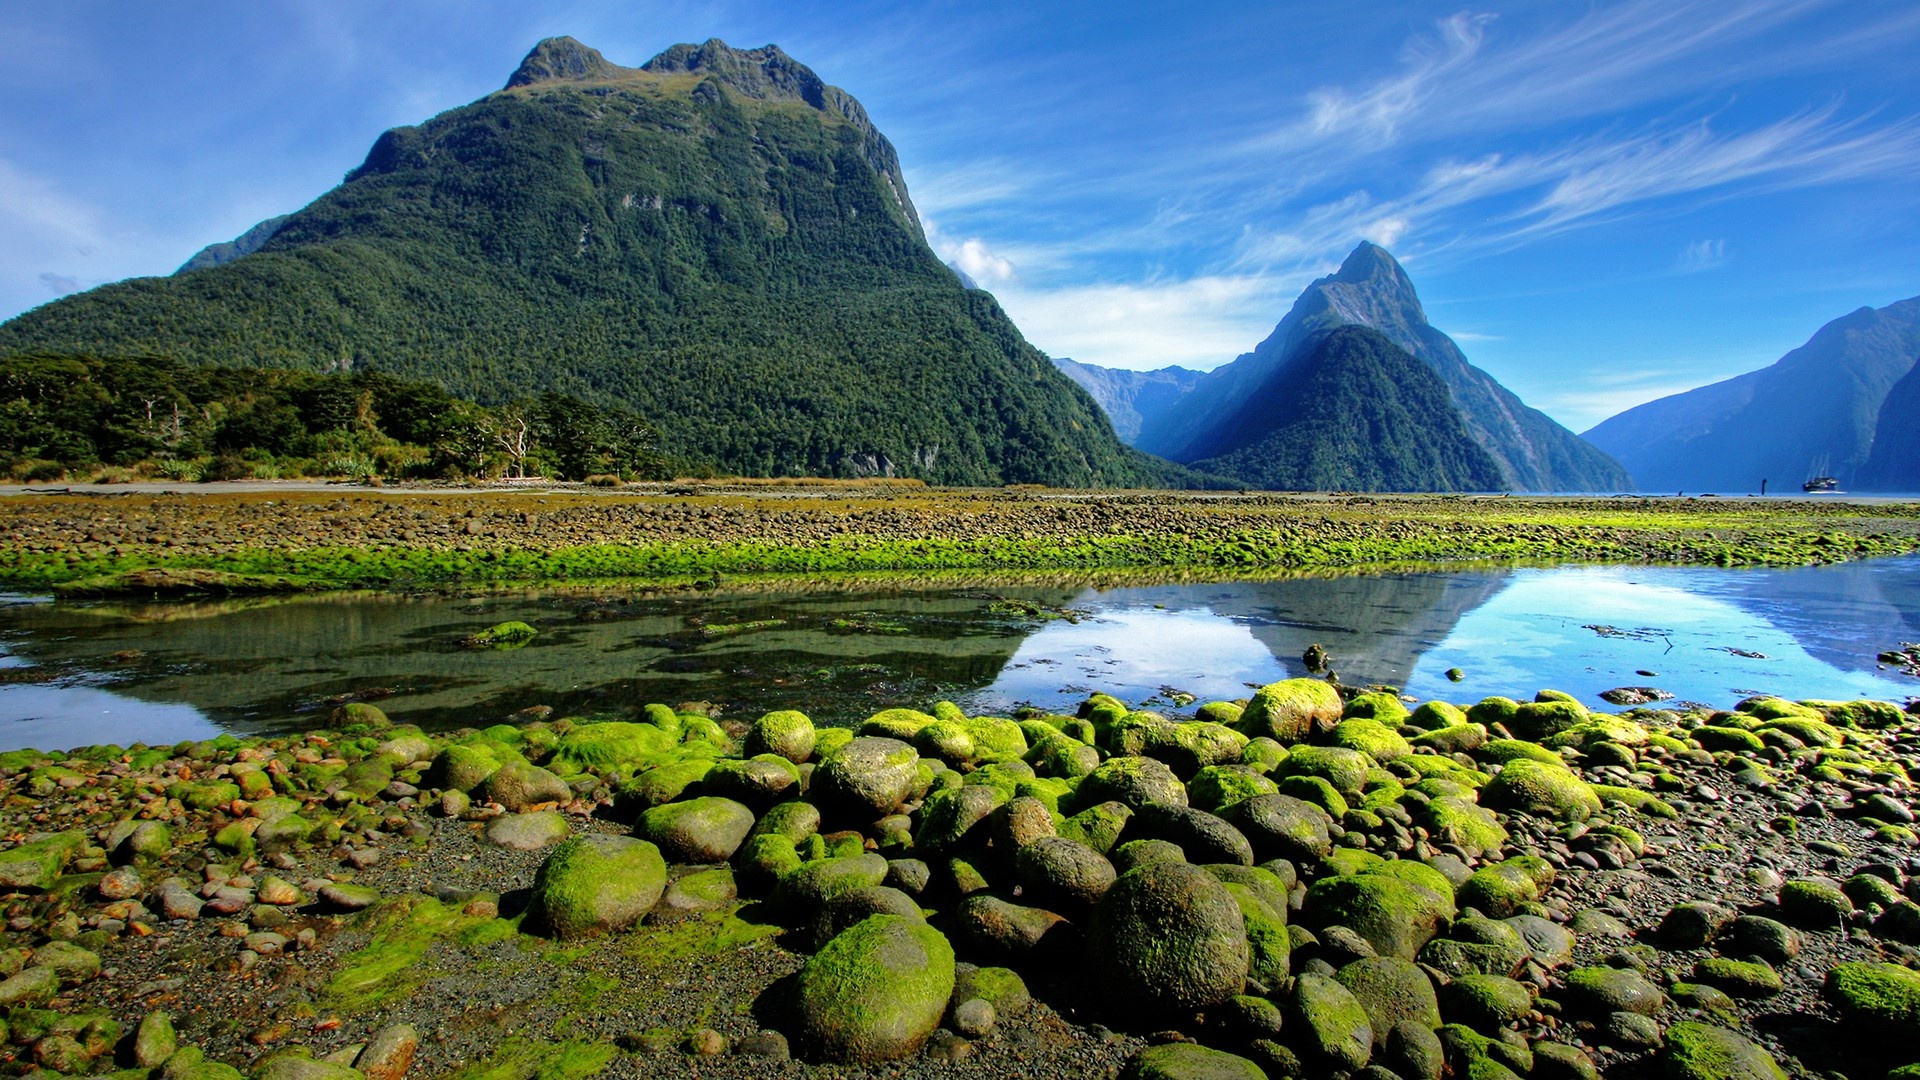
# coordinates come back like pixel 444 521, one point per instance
pixel 1311 882
pixel 214 541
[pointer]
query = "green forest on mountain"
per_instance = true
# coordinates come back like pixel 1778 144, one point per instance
pixel 120 419
pixel 1357 413
pixel 736 271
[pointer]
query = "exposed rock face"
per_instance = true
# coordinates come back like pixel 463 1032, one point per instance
pixel 1820 409
pixel 1531 451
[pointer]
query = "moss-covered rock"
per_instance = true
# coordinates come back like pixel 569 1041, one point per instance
pixel 1328 1024
pixel 897 724
pixel 1500 890
pixel 786 732
pixel 1189 1061
pixel 507 635
pixel 703 830
pixel 1392 991
pixel 950 817
pixel 1283 827
pixel 1372 738
pixel 1453 819
pixel 1195 745
pixel 1602 990
pixel 1206 838
pixel 1001 929
pixel 1696 1051
pixel 1814 902
pixel 1545 790
pixel 1542 719
pixel 1134 781
pixel 1099 826
pixel 1168 938
pixel 867 778
pixel 37 864
pixel 1739 978
pixel 874 992
pixel 1344 768
pixel 1485 1002
pixel 598 883
pixel 1062 874
pixel 1217 787
pixel 1290 710
pixel 1396 915
pixel 1876 997
pixel 1434 715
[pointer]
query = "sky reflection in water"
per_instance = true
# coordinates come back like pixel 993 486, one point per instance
pixel 1583 630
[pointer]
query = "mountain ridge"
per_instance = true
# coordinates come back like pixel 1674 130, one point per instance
pixel 1821 401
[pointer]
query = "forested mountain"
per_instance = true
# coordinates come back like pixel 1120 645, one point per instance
pixel 1130 397
pixel 1820 408
pixel 1530 450
pixel 1354 412
pixel 717 240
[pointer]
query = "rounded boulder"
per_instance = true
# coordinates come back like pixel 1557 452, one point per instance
pixel 1169 938
pixel 875 992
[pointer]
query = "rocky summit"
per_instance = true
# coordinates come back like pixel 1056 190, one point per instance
pixel 1313 881
pixel 718 240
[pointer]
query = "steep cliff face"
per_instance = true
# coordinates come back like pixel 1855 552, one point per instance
pixel 1824 407
pixel 1371 289
pixel 717 239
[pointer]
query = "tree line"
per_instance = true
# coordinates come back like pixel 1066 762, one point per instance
pixel 72 416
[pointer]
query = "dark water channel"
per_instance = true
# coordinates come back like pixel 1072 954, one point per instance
pixel 79 673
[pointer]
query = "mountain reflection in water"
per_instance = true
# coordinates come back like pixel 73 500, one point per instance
pixel 80 673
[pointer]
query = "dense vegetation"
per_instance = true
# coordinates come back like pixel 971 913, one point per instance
pixel 122 418
pixel 1357 413
pixel 737 269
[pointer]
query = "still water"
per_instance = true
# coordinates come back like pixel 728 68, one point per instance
pixel 78 673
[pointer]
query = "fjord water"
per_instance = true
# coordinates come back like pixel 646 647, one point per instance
pixel 79 673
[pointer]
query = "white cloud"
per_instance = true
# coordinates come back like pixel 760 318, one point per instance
pixel 1701 255
pixel 1199 322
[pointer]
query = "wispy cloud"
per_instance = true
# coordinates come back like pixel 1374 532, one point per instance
pixel 61 284
pixel 1701 255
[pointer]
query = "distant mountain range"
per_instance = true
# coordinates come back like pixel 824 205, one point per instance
pixel 1129 397
pixel 718 240
pixel 1242 418
pixel 1842 405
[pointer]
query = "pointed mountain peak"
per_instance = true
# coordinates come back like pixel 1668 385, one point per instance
pixel 562 58
pixel 1373 289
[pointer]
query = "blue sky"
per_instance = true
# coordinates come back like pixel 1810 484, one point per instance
pixel 1603 202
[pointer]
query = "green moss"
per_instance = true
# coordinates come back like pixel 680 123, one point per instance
pixel 1372 738
pixel 506 635
pixel 536 1059
pixel 1499 890
pixel 1378 705
pixel 1098 826
pixel 1453 819
pixel 902 724
pixel 1493 710
pixel 1868 715
pixel 1877 996
pixel 996 739
pixel 1316 790
pixel 1344 768
pixel 594 883
pixel 1290 710
pixel 392 966
pixel 1501 751
pixel 609 747
pixel 1737 740
pixel 1808 730
pixel 1395 914
pixel 1433 715
pixel 875 991
pixel 1542 789
pixel 1641 802
pixel 946 740
pixel 1697 1051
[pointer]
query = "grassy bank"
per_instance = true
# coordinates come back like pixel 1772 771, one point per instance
pixel 252 541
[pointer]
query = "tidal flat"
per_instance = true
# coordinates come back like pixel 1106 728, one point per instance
pixel 1309 879
pixel 210 540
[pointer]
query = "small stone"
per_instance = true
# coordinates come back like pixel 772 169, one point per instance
pixel 279 892
pixel 528 832
pixel 177 903
pixel 767 1044
pixel 267 943
pixel 121 884
pixel 973 1018
pixel 154 1042
pixel 706 1042
pixel 346 896
pixel 1630 1031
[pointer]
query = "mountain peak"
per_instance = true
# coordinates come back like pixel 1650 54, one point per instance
pixel 1368 260
pixel 561 58
pixel 764 73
